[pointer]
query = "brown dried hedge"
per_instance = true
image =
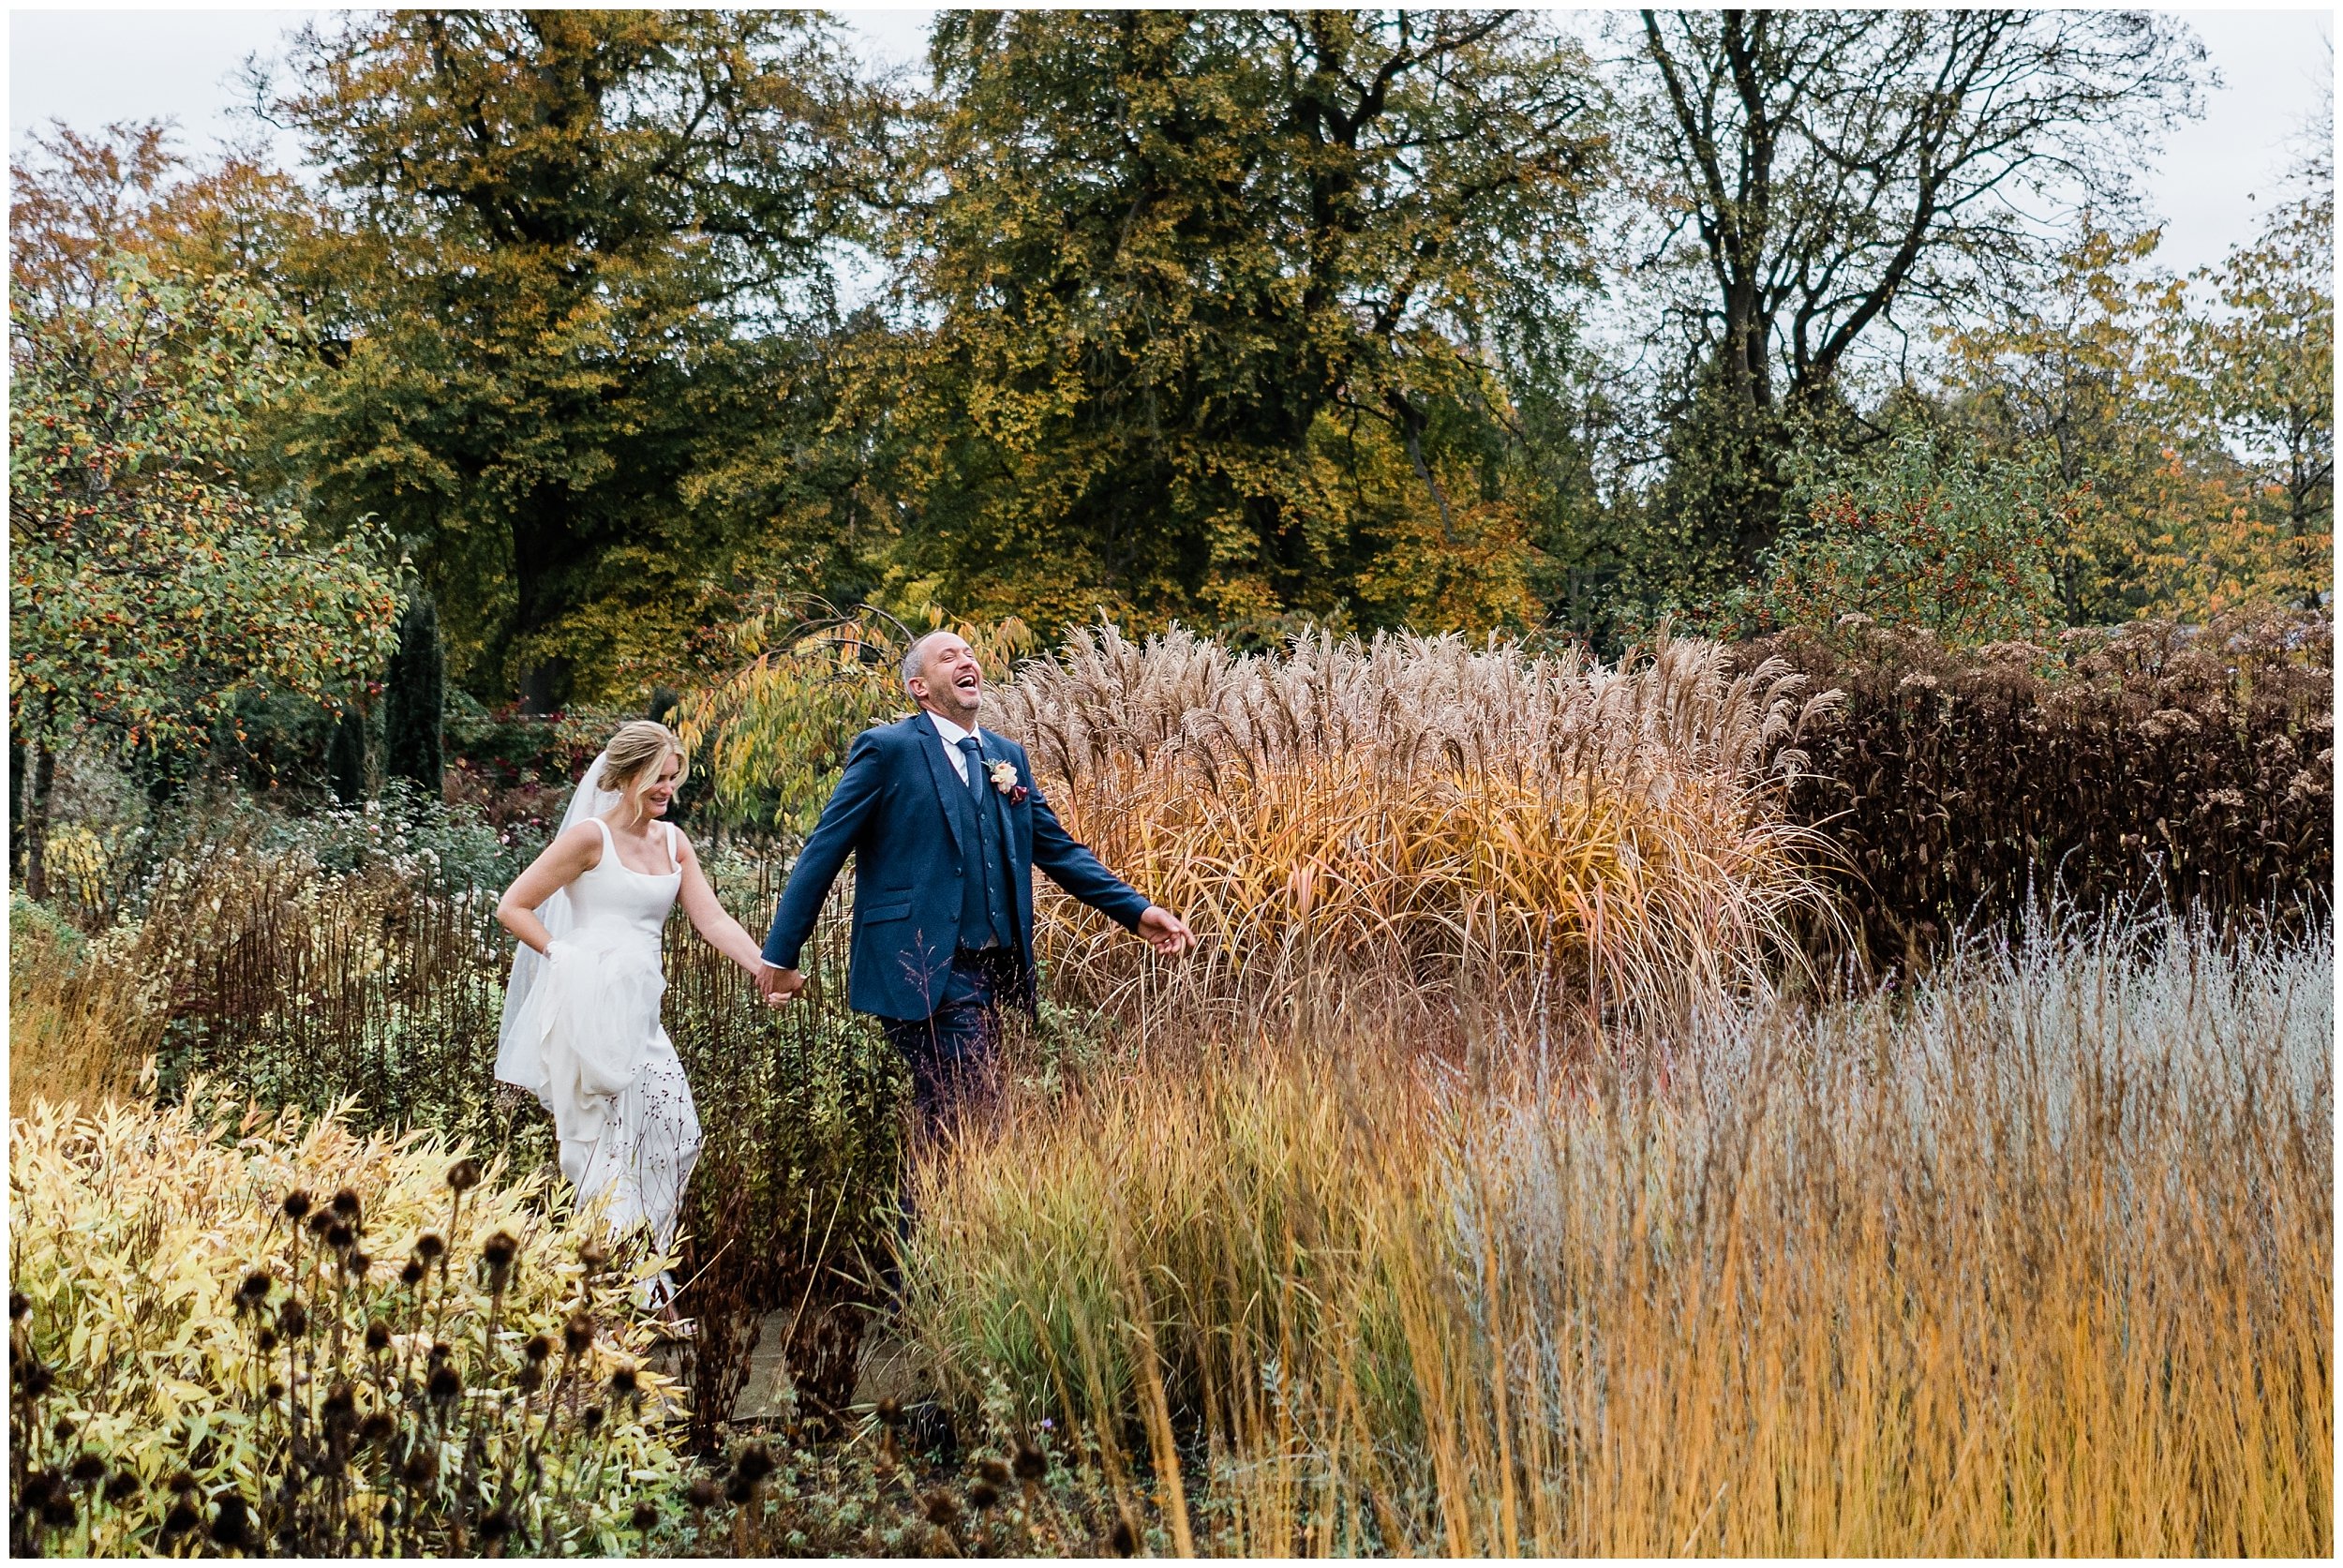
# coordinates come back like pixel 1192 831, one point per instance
pixel 2151 762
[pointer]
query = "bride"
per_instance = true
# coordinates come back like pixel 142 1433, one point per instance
pixel 581 1027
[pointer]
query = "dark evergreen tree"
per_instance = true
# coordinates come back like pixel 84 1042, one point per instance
pixel 413 699
pixel 346 756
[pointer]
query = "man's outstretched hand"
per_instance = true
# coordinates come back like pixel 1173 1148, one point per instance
pixel 1165 931
pixel 780 985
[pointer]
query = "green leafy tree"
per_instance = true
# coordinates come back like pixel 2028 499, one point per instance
pixel 1920 530
pixel 574 255
pixel 1209 294
pixel 148 589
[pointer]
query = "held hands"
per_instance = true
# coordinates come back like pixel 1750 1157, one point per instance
pixel 1165 931
pixel 780 986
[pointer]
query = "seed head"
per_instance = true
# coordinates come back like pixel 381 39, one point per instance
pixel 346 1205
pixel 18 1304
pixel 357 1263
pixel 539 1347
pixel 463 1176
pixel 254 1290
pixel 87 1467
pixel 994 1473
pixel 444 1383
pixel 577 1333
pixel 320 1222
pixel 181 1481
pixel 643 1518
pixel 57 1510
pixel 983 1495
pixel 182 1518
pixel 429 1245
pixel 702 1493
pixel 530 1378
pixel 267 1339
pixel 624 1384
pixel 276 1389
pixel 418 1469
pixel 33 1376
pixel 122 1486
pixel 378 1336
pixel 1121 1538
pixel 339 1236
pixel 231 1522
pixel 591 1420
pixel 497 1250
pixel 297 1204
pixel 496 1526
pixel 1030 1464
pixel 376 1428
pixel 413 1273
pixel 754 1463
pixel 889 1412
pixel 941 1510
pixel 292 1320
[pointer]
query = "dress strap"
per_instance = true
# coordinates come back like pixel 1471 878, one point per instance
pixel 609 845
pixel 675 861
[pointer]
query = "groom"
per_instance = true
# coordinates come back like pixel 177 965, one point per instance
pixel 946 825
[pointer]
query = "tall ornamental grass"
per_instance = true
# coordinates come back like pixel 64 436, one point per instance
pixel 2035 1259
pixel 1426 809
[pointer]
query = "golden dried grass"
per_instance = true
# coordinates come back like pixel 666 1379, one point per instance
pixel 1425 809
pixel 81 1022
pixel 2038 1260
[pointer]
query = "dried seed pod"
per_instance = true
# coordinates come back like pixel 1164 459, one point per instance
pixel 702 1493
pixel 346 1205
pixel 292 1320
pixel 444 1383
pixel 495 1526
pixel 754 1462
pixel 182 1518
pixel 378 1336
pixel 592 1419
pixel 643 1518
pixel 413 1273
pixel 1030 1464
pixel 340 1238
pixel 577 1333
pixel 231 1522
pixel 429 1245
pixel 320 1222
pixel 181 1481
pixel 625 1383
pixel 463 1176
pixel 539 1347
pixel 1121 1538
pixel 297 1204
pixel 994 1472
pixel 255 1289
pixel 941 1508
pixel 530 1378
pixel 740 1489
pixel 19 1305
pixel 88 1466
pixel 122 1486
pixel 983 1496
pixel 376 1428
pixel 357 1265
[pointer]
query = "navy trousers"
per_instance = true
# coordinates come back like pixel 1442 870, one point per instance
pixel 950 1052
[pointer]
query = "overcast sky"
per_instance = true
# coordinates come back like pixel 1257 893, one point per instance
pixel 91 67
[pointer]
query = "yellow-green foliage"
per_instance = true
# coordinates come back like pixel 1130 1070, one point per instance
pixel 79 1021
pixel 1608 832
pixel 153 1261
pixel 773 734
pixel 2037 1260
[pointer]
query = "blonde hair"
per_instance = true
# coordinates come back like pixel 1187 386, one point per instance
pixel 639 747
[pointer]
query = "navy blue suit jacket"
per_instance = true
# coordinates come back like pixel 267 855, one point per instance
pixel 889 810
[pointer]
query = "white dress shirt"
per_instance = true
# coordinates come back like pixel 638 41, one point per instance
pixel 952 736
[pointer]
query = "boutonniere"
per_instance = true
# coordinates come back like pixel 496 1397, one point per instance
pixel 1005 780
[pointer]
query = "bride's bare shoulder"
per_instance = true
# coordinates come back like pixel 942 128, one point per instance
pixel 582 842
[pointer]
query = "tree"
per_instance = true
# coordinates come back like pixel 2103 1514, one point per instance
pixel 567 245
pixel 414 700
pixel 2268 361
pixel 1920 530
pixel 1819 177
pixel 147 588
pixel 1208 292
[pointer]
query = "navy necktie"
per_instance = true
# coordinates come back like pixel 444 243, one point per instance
pixel 974 753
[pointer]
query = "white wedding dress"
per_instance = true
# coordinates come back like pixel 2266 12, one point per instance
pixel 582 1033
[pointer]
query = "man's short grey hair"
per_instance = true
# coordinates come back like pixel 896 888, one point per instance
pixel 914 657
